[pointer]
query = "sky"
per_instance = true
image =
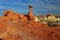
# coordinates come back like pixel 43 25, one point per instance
pixel 40 7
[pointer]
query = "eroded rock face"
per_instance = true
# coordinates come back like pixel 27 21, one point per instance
pixel 9 15
pixel 22 17
pixel 13 16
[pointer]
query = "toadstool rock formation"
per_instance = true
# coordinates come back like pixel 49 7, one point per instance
pixel 30 14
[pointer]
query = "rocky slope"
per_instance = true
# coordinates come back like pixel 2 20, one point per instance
pixel 28 31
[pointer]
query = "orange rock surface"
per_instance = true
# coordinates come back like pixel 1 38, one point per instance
pixel 28 31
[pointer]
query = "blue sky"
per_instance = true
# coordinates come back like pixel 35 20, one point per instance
pixel 39 6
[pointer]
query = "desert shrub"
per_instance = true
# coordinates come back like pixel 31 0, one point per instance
pixel 53 23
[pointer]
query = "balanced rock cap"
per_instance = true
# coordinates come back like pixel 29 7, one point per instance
pixel 30 6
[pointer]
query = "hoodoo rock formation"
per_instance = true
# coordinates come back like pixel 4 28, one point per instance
pixel 30 15
pixel 15 26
